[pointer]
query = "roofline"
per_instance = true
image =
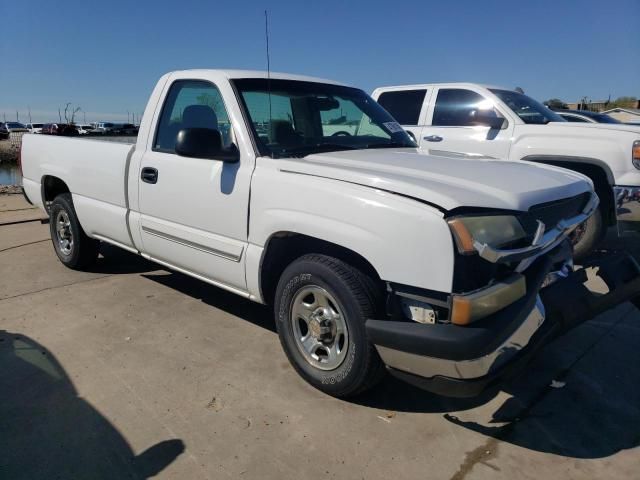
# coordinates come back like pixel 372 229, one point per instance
pixel 233 74
pixel 448 84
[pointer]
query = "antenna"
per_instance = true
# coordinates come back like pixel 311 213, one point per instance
pixel 266 34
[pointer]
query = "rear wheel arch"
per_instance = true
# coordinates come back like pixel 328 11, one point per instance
pixel 52 186
pixel 282 248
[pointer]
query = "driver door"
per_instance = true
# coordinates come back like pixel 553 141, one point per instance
pixel 194 210
pixel 451 128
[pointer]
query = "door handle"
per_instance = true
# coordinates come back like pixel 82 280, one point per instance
pixel 149 175
pixel 433 138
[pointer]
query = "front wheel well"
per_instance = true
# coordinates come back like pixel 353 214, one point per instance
pixel 284 247
pixel 601 185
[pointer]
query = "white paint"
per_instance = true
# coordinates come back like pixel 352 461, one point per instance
pixel 386 205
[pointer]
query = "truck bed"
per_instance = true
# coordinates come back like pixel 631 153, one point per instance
pixel 95 171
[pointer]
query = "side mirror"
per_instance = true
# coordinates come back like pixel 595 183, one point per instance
pixel 204 143
pixel 488 119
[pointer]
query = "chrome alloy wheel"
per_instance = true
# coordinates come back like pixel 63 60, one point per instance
pixel 64 236
pixel 319 328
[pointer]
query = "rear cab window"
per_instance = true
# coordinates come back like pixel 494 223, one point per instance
pixel 404 105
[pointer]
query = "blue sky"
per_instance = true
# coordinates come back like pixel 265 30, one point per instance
pixel 106 56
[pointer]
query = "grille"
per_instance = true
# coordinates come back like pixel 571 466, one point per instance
pixel 551 213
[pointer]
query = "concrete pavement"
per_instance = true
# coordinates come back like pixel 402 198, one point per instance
pixel 131 370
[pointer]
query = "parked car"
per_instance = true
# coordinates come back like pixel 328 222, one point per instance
pixel 60 129
pixel 489 122
pixel 125 129
pixel 371 253
pixel 34 127
pixel 584 116
pixel 105 128
pixel 15 127
pixel 85 129
pixel 4 131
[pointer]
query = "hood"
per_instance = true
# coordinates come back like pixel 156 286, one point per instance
pixel 445 182
pixel 616 127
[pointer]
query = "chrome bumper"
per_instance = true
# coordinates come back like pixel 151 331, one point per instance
pixel 627 201
pixel 542 242
pixel 424 366
pixel 462 361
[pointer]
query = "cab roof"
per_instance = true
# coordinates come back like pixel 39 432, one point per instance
pixel 231 74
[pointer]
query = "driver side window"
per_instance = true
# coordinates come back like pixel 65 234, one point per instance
pixel 456 107
pixel 191 104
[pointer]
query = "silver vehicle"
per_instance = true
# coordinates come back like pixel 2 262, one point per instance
pixel 105 127
pixel 85 129
pixel 34 127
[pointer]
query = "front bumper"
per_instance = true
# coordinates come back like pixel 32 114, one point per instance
pixel 627 200
pixel 462 361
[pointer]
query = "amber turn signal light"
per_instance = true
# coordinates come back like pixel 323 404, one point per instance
pixel 463 237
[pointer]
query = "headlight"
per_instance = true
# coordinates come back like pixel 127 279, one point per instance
pixel 635 154
pixel 494 230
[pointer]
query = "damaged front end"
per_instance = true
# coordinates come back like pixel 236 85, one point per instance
pixel 486 331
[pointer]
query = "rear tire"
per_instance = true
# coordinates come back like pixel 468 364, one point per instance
pixel 588 235
pixel 73 247
pixel 321 306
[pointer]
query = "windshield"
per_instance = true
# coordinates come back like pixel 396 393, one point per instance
pixel 15 125
pixel 301 118
pixel 527 108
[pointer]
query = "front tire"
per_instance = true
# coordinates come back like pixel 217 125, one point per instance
pixel 73 247
pixel 321 306
pixel 588 235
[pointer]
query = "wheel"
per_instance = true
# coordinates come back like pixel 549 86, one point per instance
pixel 321 306
pixel 73 247
pixel 588 235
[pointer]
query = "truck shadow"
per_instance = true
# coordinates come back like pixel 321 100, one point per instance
pixel 595 414
pixel 115 260
pixel 48 431
pixel 591 410
pixel 255 313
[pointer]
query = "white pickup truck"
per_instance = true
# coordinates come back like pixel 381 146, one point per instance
pixel 493 122
pixel 371 254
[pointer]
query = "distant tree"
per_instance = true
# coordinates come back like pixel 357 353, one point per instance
pixel 555 103
pixel 68 110
pixel 623 102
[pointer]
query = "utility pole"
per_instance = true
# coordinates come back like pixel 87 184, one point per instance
pixel 29 113
pixel 84 115
pixel 17 117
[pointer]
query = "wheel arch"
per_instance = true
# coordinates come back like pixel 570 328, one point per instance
pixel 598 171
pixel 50 187
pixel 284 247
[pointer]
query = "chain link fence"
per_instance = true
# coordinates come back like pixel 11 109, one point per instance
pixel 9 148
pixel 15 138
